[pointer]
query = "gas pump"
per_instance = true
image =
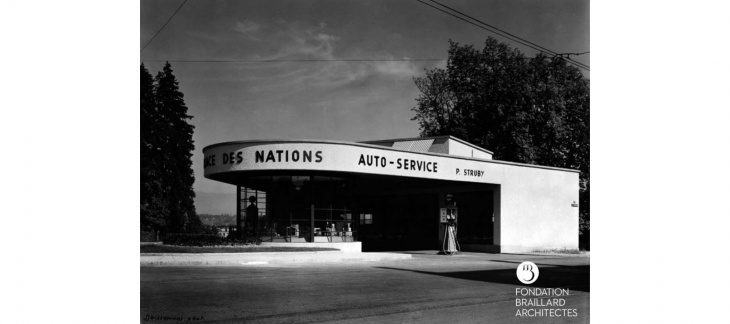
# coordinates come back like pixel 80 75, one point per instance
pixel 447 227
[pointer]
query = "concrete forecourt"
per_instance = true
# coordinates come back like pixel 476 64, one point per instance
pixel 425 288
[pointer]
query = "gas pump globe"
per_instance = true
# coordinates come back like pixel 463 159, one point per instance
pixel 449 214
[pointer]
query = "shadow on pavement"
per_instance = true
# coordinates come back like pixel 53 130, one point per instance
pixel 539 264
pixel 573 277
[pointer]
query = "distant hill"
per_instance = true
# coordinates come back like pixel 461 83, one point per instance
pixel 215 203
pixel 217 220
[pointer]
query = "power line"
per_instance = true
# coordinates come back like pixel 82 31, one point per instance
pixel 502 33
pixel 312 60
pixel 163 26
pixel 542 49
pixel 490 26
pixel 512 37
pixel 303 60
pixel 565 56
pixel 485 28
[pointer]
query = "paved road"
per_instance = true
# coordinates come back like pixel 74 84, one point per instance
pixel 467 288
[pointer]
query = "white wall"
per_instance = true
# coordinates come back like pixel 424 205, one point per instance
pixel 536 211
pixel 461 149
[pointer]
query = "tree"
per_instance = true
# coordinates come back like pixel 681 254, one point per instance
pixel 166 151
pixel 529 110
pixel 153 205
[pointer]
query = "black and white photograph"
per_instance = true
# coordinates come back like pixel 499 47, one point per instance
pixel 364 161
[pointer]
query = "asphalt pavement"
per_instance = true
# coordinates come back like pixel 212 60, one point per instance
pixel 426 288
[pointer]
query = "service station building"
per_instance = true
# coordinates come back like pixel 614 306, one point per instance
pixel 393 194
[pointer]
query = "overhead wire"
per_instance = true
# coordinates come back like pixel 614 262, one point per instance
pixel 492 29
pixel 163 26
pixel 508 35
pixel 490 26
pixel 295 60
pixel 544 50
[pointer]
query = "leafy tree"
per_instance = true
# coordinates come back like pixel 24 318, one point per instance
pixel 529 110
pixel 166 151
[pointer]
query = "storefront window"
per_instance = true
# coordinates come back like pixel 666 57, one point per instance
pixel 366 219
pixel 246 194
pixel 290 205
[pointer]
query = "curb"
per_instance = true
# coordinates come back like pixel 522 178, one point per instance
pixel 275 258
pixel 234 253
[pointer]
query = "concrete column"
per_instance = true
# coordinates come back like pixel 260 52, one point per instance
pixel 354 208
pixel 497 216
pixel 311 204
pixel 239 228
pixel 311 224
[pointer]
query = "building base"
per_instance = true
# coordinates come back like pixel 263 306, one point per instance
pixel 343 246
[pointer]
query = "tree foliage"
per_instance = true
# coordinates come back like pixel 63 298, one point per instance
pixel 153 206
pixel 529 110
pixel 166 148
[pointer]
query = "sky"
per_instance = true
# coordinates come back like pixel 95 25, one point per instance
pixel 337 100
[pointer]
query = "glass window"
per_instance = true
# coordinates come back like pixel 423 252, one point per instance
pixel 260 201
pixel 366 219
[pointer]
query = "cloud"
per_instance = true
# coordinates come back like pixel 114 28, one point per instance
pixel 302 42
pixel 395 37
pixel 284 41
pixel 396 68
pixel 248 28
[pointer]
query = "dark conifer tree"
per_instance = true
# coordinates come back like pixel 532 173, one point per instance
pixel 176 141
pixel 153 205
